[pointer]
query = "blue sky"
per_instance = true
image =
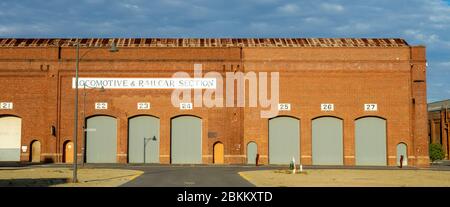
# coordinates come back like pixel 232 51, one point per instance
pixel 425 22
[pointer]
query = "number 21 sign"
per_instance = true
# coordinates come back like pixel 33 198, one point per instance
pixel 6 105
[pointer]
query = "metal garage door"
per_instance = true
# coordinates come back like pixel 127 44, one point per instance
pixel 186 141
pixel 252 150
pixel 327 144
pixel 143 132
pixel 370 141
pixel 101 140
pixel 10 138
pixel 284 140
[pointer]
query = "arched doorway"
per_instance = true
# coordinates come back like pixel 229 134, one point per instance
pixel 101 139
pixel 370 141
pixel 10 138
pixel 402 149
pixel 143 139
pixel 218 153
pixel 186 140
pixel 284 140
pixel 252 151
pixel 35 151
pixel 327 141
pixel 68 152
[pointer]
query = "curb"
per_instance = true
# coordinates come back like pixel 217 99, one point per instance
pixel 135 176
pixel 246 178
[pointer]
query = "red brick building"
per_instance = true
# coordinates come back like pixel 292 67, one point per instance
pixel 439 123
pixel 386 74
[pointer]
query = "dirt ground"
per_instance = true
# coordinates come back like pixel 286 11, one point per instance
pixel 61 177
pixel 349 178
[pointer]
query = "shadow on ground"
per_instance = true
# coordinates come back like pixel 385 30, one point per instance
pixel 29 182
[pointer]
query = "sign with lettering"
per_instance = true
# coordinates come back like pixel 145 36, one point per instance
pixel 101 105
pixel 370 107
pixel 327 107
pixel 284 107
pixel 186 106
pixel 143 105
pixel 6 105
pixel 146 83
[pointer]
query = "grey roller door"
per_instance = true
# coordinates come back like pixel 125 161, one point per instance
pixel 252 150
pixel 327 144
pixel 143 132
pixel 370 141
pixel 101 140
pixel 10 138
pixel 186 141
pixel 284 140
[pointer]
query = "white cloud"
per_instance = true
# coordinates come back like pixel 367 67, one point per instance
pixel 199 12
pixel 444 64
pixel 95 1
pixel 432 40
pixel 288 9
pixel 437 84
pixel 332 7
pixel 174 2
pixel 131 6
pixel 7 30
pixel 354 28
pixel 263 1
pixel 315 20
pixel 259 25
pixel 439 18
pixel 419 35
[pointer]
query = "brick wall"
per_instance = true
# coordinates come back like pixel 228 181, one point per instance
pixel 38 81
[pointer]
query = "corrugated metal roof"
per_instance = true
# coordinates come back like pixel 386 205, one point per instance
pixel 207 42
pixel 439 105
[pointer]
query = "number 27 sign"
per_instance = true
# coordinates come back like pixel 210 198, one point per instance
pixel 370 107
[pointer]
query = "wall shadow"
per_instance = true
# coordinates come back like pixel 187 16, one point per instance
pixel 29 182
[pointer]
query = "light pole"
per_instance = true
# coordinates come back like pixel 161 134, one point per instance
pixel 75 160
pixel 75 136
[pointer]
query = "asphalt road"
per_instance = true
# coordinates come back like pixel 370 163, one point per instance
pixel 189 176
pixel 213 175
pixel 196 175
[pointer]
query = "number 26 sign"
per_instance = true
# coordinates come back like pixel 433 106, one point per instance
pixel 327 107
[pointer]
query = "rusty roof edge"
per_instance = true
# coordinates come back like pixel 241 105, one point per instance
pixel 206 42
